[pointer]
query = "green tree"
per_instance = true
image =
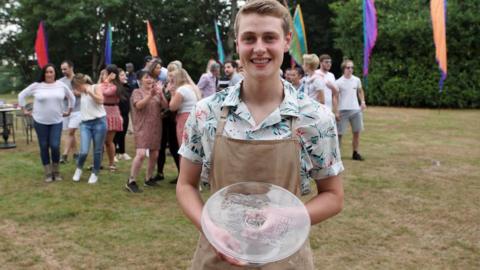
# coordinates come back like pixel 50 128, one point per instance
pixel 403 70
pixel 184 31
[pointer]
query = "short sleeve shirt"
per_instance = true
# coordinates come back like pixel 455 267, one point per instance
pixel 348 88
pixel 314 124
pixel 313 85
pixel 189 99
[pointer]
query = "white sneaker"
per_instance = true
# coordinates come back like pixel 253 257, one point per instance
pixel 115 159
pixel 77 175
pixel 126 157
pixel 93 179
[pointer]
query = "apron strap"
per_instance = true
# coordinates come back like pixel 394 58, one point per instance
pixel 292 129
pixel 223 120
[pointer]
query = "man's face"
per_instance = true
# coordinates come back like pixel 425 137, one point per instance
pixel 67 71
pixel 130 69
pixel 261 44
pixel 228 69
pixel 216 72
pixel 326 64
pixel 295 77
pixel 288 75
pixel 348 70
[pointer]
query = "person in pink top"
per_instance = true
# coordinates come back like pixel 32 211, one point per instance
pixel 112 90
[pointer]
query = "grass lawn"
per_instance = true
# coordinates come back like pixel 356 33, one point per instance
pixel 413 204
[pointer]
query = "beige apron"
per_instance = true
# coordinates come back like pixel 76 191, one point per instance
pixel 273 161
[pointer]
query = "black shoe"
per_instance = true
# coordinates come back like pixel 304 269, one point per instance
pixel 132 187
pixel 174 181
pixel 357 156
pixel 64 159
pixel 150 183
pixel 159 177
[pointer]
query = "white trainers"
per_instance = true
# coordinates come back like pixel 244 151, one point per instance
pixel 115 159
pixel 77 175
pixel 126 157
pixel 93 179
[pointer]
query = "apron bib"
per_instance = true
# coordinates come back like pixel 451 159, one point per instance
pixel 271 161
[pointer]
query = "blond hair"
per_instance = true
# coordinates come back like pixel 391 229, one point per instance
pixel 311 61
pixel 181 78
pixel 79 79
pixel 345 63
pixel 174 65
pixel 265 8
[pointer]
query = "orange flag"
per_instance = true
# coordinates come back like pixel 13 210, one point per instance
pixel 438 10
pixel 152 47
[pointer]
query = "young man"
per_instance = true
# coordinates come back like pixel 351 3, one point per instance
pixel 72 122
pixel 331 91
pixel 350 88
pixel 294 76
pixel 260 109
pixel 230 68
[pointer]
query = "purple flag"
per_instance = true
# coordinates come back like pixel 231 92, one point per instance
pixel 369 31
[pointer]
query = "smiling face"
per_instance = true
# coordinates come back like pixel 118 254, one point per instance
pixel 123 77
pixel 146 81
pixel 261 44
pixel 50 75
pixel 67 70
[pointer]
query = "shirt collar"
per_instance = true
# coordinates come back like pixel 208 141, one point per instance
pixel 289 105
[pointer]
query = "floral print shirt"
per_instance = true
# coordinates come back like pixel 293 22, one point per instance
pixel 313 122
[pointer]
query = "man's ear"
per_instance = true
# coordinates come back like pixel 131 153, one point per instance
pixel 288 41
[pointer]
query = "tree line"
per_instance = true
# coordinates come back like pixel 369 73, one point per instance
pixel 403 71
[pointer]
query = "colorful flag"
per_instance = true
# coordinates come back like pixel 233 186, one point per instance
pixel 41 46
pixel 108 44
pixel 438 11
pixel 369 32
pixel 298 47
pixel 152 46
pixel 220 52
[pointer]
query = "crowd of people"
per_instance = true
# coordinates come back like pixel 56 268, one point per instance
pixel 217 129
pixel 158 101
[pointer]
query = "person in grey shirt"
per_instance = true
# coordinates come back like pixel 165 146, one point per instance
pixel 230 69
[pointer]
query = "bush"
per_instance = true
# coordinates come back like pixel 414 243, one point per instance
pixel 403 70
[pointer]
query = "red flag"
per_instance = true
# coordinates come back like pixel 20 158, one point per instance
pixel 41 46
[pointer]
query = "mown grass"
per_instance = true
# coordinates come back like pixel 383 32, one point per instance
pixel 413 204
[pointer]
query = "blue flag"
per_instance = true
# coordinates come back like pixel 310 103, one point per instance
pixel 220 52
pixel 108 44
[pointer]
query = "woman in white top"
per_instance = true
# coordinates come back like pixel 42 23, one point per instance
pixel 48 117
pixel 313 84
pixel 93 126
pixel 185 95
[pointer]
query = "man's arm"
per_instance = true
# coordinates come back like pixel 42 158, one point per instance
pixel 361 96
pixel 188 196
pixel 329 200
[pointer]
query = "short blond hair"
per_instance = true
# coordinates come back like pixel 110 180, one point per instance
pixel 311 61
pixel 266 8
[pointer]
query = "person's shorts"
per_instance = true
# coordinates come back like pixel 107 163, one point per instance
pixel 72 121
pixel 354 117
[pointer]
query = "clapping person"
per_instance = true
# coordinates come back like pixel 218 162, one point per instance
pixel 48 113
pixel 93 127
pixel 147 103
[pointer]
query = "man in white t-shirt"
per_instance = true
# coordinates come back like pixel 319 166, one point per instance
pixel 350 92
pixel 331 91
pixel 72 122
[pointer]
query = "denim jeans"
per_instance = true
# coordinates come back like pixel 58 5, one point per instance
pixel 93 130
pixel 49 141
